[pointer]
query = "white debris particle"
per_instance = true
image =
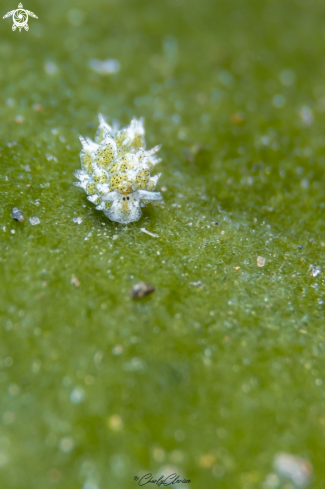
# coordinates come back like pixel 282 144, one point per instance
pixel 260 261
pixel 27 168
pixel 34 221
pixel 19 119
pixel 50 157
pixel 104 67
pixel 304 183
pixel 50 68
pixel 115 236
pixel 295 468
pixel 117 350
pixel 134 365
pixel 66 444
pixel 149 233
pixel 77 220
pixel 141 290
pixel 265 140
pixel 38 107
pixel 77 395
pixel 315 271
pixel 196 284
pixel 306 115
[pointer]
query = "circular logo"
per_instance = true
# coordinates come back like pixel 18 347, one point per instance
pixel 20 18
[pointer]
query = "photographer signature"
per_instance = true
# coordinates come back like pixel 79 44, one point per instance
pixel 162 481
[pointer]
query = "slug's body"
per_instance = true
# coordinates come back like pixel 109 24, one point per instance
pixel 116 171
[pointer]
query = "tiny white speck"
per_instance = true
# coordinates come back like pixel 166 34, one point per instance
pixel 34 221
pixel 77 220
pixel 51 68
pixel 306 115
pixel 265 140
pixel 117 350
pixel 261 261
pixel 77 395
pixel 149 233
pixel 315 271
pixel 104 67
pixel 304 183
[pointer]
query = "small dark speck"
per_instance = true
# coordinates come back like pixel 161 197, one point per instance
pixel 224 278
pixel 215 223
pixel 300 247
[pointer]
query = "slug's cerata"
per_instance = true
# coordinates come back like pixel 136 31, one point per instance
pixel 116 171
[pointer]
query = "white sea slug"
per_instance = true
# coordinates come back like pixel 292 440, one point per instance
pixel 116 171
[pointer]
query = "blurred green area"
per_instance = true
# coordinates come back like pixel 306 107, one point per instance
pixel 223 366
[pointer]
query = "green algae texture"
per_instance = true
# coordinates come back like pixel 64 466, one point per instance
pixel 221 367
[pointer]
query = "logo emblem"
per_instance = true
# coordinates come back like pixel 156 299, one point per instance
pixel 20 18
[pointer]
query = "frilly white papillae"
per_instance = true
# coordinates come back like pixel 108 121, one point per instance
pixel 116 170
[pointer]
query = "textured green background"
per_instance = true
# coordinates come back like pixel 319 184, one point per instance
pixel 211 380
